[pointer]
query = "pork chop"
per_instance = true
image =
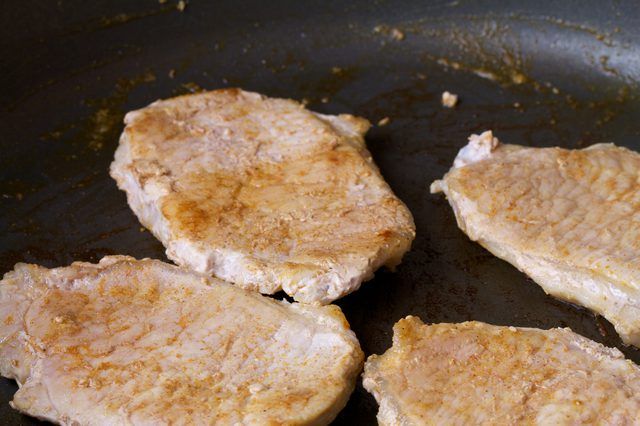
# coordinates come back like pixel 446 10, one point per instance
pixel 570 219
pixel 147 343
pixel 479 374
pixel 262 192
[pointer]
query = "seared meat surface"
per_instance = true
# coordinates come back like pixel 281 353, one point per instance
pixel 262 192
pixel 570 219
pixel 479 374
pixel 144 342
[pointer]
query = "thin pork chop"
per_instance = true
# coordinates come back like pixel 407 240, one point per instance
pixel 479 374
pixel 570 219
pixel 147 343
pixel 262 192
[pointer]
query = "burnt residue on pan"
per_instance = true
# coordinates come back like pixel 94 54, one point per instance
pixel 566 75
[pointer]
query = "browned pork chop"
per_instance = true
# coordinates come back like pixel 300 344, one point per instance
pixel 570 219
pixel 479 374
pixel 147 343
pixel 262 192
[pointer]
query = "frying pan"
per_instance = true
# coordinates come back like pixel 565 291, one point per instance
pixel 537 73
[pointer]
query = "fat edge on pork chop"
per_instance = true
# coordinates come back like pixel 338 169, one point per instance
pixel 262 192
pixel 144 342
pixel 570 219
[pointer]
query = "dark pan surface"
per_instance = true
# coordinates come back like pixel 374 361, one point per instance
pixel 561 74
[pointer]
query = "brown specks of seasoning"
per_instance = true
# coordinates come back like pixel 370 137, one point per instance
pixel 601 329
pixel 449 64
pixel 181 6
pixel 384 121
pixel 518 78
pixel 396 34
pixel 103 121
pixel 324 99
pixel 193 87
pixel 336 70
pixel 19 196
pixel 148 77
pixel 172 73
pixel 392 32
pixel 53 135
pixel 449 100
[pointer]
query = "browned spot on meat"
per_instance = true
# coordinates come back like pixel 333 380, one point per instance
pixel 193 219
pixel 386 234
pixel 335 158
pixel 122 291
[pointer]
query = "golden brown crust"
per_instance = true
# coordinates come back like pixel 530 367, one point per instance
pixel 263 192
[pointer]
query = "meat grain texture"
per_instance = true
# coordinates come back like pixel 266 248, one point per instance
pixel 147 343
pixel 479 374
pixel 262 192
pixel 570 219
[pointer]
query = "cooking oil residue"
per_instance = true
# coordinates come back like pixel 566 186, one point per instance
pixel 328 86
pixel 190 87
pixel 105 121
pixel 392 32
pixel 107 118
pixel 504 75
pixel 600 36
pixel 124 18
pixel 494 46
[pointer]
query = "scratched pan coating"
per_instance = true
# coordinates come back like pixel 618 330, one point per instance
pixel 562 74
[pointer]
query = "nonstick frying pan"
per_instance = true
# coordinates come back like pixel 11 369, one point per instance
pixel 537 73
